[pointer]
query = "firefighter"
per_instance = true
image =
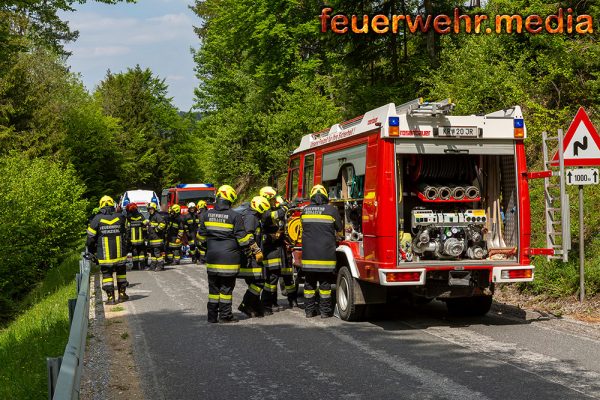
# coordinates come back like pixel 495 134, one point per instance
pixel 191 220
pixel 275 254
pixel 321 222
pixel 155 228
pixel 221 231
pixel 136 234
pixel 252 267
pixel 175 231
pixel 287 269
pixel 106 238
pixel 202 208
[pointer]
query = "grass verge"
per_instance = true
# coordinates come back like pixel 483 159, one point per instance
pixel 39 332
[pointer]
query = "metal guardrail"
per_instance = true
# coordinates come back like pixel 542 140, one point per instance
pixel 64 384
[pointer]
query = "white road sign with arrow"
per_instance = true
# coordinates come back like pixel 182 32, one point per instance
pixel 583 176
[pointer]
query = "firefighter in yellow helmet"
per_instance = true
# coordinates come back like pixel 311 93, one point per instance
pixel 190 224
pixel 155 228
pixel 175 231
pixel 107 239
pixel 276 262
pixel 135 224
pixel 222 231
pixel 252 267
pixel 321 222
pixel 201 253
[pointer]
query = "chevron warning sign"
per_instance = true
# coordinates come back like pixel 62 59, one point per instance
pixel 581 143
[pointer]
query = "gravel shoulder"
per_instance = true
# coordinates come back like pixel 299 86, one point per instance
pixel 109 370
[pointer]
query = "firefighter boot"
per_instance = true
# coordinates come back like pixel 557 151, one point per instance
pixel 228 320
pixel 110 297
pixel 293 299
pixel 257 306
pixel 122 295
pixel 246 309
pixel 213 313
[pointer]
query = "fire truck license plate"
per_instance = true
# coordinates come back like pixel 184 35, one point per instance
pixel 457 131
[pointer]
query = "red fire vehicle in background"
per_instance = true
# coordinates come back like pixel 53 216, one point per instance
pixel 436 206
pixel 185 193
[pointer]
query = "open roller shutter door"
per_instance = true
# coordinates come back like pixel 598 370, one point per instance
pixel 457 146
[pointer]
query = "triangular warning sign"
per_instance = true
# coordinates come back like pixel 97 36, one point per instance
pixel 581 143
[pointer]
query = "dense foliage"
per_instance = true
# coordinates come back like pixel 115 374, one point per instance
pixel 62 148
pixel 41 215
pixel 268 76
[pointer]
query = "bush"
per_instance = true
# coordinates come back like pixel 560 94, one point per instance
pixel 42 216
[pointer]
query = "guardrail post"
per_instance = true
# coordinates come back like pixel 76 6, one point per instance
pixel 53 367
pixel 78 280
pixel 72 305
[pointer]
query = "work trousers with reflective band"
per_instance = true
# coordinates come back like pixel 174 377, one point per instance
pixel 269 293
pixel 324 280
pixel 287 273
pixel 138 254
pixel 156 258
pixel 174 252
pixel 194 252
pixel 108 283
pixel 220 295
pixel 252 295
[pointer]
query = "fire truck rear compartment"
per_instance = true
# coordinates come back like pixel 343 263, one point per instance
pixel 457 207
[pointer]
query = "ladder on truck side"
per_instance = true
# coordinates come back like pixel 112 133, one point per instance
pixel 556 199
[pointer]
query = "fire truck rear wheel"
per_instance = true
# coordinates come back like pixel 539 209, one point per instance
pixel 346 297
pixel 475 306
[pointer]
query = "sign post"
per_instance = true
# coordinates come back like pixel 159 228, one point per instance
pixel 581 177
pixel 581 248
pixel 581 148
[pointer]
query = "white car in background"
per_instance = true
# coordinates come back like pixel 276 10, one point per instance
pixel 141 198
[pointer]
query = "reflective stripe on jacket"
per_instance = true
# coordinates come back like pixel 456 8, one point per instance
pixel 136 227
pixel 106 234
pixel 223 231
pixel 320 222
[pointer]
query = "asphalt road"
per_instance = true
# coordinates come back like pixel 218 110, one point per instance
pixel 402 352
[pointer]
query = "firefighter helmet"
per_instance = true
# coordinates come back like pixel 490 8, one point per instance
pixel 279 201
pixel 318 189
pixel 260 204
pixel 152 205
pixel 131 207
pixel 106 201
pixel 201 204
pixel 191 205
pixel 227 193
pixel 175 209
pixel 268 192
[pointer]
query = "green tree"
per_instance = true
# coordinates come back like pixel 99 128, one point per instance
pixel 42 214
pixel 155 139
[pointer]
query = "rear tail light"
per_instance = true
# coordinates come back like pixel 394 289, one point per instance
pixel 403 276
pixel 516 274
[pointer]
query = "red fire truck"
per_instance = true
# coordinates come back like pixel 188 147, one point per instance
pixel 435 205
pixel 185 193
